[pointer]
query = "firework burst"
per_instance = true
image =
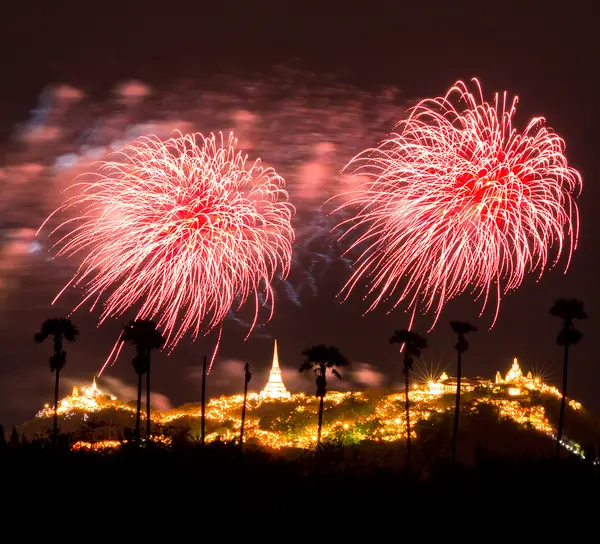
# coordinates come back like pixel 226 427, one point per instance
pixel 183 229
pixel 456 200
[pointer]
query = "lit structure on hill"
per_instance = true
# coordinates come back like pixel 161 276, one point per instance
pixel 350 416
pixel 445 384
pixel 518 385
pixel 275 389
pixel 82 399
pixel 515 383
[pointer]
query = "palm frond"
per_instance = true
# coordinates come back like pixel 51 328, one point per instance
pixel 320 357
pixel 57 327
pixel 306 366
pixel 143 332
pixel 462 327
pixel 568 309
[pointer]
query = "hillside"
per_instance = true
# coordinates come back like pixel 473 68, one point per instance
pixel 490 411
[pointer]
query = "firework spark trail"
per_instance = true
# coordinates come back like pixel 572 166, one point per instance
pixel 456 200
pixel 184 228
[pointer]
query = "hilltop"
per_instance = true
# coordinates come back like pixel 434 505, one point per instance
pixel 519 408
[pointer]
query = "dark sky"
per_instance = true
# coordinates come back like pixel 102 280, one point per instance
pixel 545 54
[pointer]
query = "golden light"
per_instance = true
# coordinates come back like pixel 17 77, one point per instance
pixel 293 419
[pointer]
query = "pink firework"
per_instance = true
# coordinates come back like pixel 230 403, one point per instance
pixel 456 200
pixel 183 230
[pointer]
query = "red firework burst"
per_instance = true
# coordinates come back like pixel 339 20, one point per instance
pixel 457 200
pixel 184 228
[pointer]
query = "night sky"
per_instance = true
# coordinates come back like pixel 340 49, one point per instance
pixel 547 56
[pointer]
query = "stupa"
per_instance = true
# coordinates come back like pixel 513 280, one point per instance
pixel 275 389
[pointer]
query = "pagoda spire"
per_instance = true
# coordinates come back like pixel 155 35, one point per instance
pixel 275 365
pixel 275 389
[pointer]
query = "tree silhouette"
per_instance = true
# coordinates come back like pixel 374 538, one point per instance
pixel 14 440
pixel 461 329
pixel 59 328
pixel 319 359
pixel 203 404
pixel 411 343
pixel 144 335
pixel 568 310
pixel 247 378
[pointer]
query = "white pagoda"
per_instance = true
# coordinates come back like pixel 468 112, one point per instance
pixel 275 388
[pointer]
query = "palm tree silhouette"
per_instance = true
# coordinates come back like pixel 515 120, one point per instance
pixel 59 328
pixel 144 335
pixel 247 377
pixel 319 359
pixel 568 310
pixel 461 329
pixel 412 343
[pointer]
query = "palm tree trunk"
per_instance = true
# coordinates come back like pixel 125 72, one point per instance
pixel 408 443
pixel 457 407
pixel 55 417
pixel 203 400
pixel 243 415
pixel 563 401
pixel 139 410
pixel 320 424
pixel 148 421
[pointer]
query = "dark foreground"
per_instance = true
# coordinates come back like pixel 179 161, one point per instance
pixel 220 478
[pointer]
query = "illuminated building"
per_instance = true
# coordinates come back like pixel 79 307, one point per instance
pixel 83 399
pixel 275 389
pixel 515 384
pixel 515 376
pixel 438 387
pixel 357 417
pixel 445 384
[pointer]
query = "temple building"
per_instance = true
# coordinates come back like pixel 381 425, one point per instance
pixel 88 392
pixel 515 376
pixel 275 389
pixel 515 384
pixel 446 384
pixel 85 399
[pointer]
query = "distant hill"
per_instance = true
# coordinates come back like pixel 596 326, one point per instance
pixel 490 420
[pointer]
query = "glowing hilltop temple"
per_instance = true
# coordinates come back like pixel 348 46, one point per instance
pixel 446 384
pixel 515 375
pixel 380 420
pixel 275 388
pixel 85 399
pixel 514 383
